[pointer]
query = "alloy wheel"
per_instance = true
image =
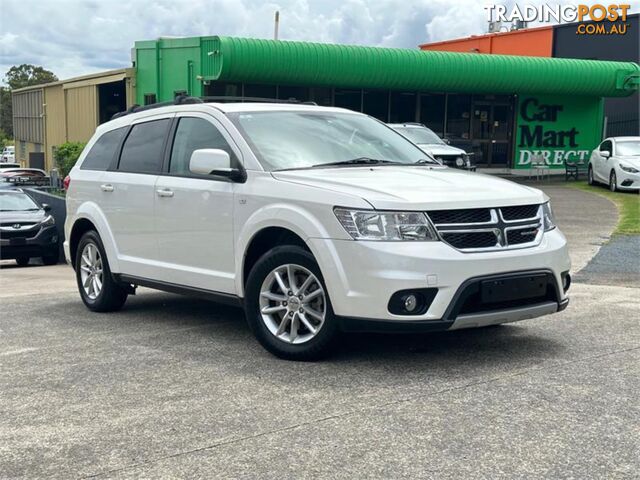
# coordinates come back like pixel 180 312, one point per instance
pixel 293 304
pixel 91 271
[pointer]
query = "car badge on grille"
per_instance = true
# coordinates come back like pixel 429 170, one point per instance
pixel 16 226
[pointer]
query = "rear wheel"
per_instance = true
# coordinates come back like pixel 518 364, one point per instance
pixel 22 261
pixel 98 290
pixel 288 307
pixel 590 179
pixel 613 181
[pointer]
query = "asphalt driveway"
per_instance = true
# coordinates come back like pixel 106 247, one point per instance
pixel 171 387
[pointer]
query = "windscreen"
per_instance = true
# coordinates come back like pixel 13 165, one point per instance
pixel 15 202
pixel 629 148
pixel 300 139
pixel 420 135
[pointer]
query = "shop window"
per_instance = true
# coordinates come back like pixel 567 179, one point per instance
pixel 223 89
pixel 286 92
pixel 402 107
pixel 376 104
pixel 458 116
pixel 351 99
pixel 432 112
pixel 260 91
pixel 322 96
pixel 149 98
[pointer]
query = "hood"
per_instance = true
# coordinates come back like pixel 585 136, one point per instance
pixel 416 187
pixel 22 217
pixel 438 149
pixel 631 160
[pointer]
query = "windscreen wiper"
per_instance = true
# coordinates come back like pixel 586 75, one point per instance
pixel 355 161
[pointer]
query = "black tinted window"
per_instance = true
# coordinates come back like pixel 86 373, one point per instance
pixel 142 150
pixel 102 152
pixel 605 146
pixel 193 134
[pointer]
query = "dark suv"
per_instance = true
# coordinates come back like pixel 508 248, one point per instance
pixel 26 229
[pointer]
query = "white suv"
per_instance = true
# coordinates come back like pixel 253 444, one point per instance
pixel 316 220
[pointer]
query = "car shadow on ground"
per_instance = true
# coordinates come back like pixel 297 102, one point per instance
pixel 515 343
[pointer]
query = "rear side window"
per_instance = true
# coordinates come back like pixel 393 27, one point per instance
pixel 193 134
pixel 103 151
pixel 142 150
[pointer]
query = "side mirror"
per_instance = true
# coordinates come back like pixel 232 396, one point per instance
pixel 605 154
pixel 213 161
pixel 46 207
pixel 447 141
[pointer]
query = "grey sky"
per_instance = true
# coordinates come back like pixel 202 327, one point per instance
pixel 75 37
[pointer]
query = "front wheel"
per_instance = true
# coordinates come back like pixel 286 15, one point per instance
pixel 288 307
pixel 590 179
pixel 22 261
pixel 98 290
pixel 613 181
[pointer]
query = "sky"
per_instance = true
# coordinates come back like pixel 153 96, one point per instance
pixel 77 37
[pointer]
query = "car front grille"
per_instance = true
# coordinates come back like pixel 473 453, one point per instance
pixel 9 231
pixel 449 160
pixel 482 229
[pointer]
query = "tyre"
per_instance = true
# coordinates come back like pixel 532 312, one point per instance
pixel 590 179
pixel 22 261
pixel 50 259
pixel 613 181
pixel 288 307
pixel 98 290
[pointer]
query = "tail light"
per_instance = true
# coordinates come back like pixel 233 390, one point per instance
pixel 66 182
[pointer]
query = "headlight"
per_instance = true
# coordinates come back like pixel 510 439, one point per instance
pixel 547 217
pixel 389 226
pixel 628 169
pixel 49 220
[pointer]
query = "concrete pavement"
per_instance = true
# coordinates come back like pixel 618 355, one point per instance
pixel 172 387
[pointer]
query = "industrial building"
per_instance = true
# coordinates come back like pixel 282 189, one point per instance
pixel 45 116
pixel 563 41
pixel 507 109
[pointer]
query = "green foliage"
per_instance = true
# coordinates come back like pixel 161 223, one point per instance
pixel 4 140
pixel 6 120
pixel 26 75
pixel 66 156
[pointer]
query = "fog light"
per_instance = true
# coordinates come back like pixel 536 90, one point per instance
pixel 566 281
pixel 410 303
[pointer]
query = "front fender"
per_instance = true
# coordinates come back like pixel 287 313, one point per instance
pixel 90 211
pixel 299 220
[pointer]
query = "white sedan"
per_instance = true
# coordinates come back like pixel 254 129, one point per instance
pixel 616 162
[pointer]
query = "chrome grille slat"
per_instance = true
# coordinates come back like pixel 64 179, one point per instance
pixel 497 228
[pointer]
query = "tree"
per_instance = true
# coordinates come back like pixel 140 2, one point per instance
pixel 26 75
pixel 19 76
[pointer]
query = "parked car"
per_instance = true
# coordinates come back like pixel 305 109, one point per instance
pixel 316 220
pixel 616 163
pixel 435 146
pixel 27 229
pixel 24 176
pixel 8 154
pixel 8 165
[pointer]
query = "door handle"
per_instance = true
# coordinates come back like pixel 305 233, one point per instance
pixel 106 187
pixel 164 192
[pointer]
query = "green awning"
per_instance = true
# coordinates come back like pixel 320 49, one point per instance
pixel 318 64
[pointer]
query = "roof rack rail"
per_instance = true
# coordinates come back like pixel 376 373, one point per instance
pixel 179 100
pixel 187 100
pixel 224 98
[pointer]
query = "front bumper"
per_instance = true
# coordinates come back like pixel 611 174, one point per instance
pixel 43 243
pixel 362 276
pixel 628 181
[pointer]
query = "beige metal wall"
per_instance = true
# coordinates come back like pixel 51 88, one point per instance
pixel 55 121
pixel 82 112
pixel 28 123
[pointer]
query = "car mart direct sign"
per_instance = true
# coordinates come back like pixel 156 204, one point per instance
pixel 552 131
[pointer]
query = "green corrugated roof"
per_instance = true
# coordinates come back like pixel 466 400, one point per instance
pixel 320 64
